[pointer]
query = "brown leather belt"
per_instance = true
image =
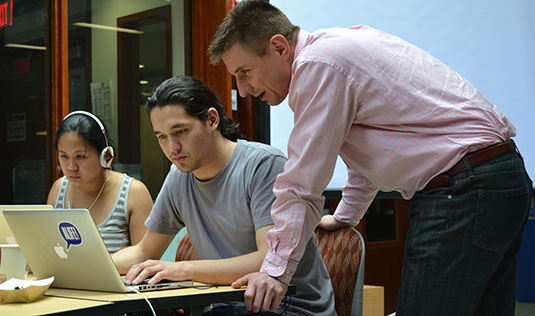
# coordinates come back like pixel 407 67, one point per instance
pixel 474 158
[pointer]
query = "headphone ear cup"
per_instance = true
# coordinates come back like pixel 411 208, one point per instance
pixel 106 157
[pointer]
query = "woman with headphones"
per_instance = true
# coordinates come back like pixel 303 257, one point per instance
pixel 118 203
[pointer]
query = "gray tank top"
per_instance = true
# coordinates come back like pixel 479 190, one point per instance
pixel 115 229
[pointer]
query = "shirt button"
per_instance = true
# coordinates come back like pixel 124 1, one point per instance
pixel 280 268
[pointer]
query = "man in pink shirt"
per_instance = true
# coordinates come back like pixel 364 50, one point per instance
pixel 402 121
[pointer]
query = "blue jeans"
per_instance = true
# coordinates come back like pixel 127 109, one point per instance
pixel 463 239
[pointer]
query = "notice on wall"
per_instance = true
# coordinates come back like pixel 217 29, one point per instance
pixel 101 100
pixel 16 127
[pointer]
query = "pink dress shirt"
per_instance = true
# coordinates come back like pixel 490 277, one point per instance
pixel 396 115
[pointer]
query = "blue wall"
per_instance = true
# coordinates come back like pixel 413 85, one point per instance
pixel 491 43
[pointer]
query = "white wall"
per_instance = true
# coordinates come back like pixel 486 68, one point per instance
pixel 489 42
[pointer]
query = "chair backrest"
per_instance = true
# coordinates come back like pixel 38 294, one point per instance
pixel 185 250
pixel 343 252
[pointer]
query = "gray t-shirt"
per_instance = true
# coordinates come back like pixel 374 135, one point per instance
pixel 223 214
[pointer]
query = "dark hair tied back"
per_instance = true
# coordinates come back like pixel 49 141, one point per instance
pixel 196 98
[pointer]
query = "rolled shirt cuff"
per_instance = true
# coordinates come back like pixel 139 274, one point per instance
pixel 279 268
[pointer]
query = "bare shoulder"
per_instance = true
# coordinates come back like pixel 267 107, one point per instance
pixel 57 183
pixel 139 194
pixel 53 193
pixel 138 187
pixel 115 177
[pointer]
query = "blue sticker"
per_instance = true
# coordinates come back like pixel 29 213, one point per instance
pixel 70 233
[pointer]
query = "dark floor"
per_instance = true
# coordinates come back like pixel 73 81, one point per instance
pixel 522 309
pixel 525 309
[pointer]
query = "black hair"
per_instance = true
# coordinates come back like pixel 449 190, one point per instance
pixel 87 128
pixel 196 98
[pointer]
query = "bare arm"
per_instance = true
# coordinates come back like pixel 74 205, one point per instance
pixel 53 193
pixel 151 246
pixel 221 271
pixel 139 207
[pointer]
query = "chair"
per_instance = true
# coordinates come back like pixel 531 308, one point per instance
pixel 29 182
pixel 185 250
pixel 343 253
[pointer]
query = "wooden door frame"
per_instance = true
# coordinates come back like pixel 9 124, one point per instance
pixel 206 15
pixel 57 81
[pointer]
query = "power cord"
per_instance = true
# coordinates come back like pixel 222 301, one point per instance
pixel 147 300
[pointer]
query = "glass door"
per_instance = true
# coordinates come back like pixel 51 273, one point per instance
pixel 119 50
pixel 23 101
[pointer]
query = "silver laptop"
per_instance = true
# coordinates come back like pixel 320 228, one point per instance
pixel 66 244
pixel 6 235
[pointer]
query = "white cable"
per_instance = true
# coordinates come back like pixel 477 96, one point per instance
pixel 146 299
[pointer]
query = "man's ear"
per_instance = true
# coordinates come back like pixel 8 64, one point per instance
pixel 279 43
pixel 213 118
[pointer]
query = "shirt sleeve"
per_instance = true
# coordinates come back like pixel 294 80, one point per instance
pixel 357 195
pixel 324 101
pixel 164 217
pixel 261 188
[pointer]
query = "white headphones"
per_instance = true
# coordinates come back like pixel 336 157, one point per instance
pixel 107 154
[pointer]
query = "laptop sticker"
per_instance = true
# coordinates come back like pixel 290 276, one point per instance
pixel 70 234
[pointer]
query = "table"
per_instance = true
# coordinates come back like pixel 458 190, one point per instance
pixel 59 301
pixel 196 298
pixel 57 305
pixel 162 300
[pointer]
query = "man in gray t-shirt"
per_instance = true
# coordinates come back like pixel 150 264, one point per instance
pixel 220 188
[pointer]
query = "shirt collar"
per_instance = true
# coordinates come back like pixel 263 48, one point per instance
pixel 302 38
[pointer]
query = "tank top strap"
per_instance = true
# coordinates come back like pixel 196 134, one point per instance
pixel 114 230
pixel 62 192
pixel 122 197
